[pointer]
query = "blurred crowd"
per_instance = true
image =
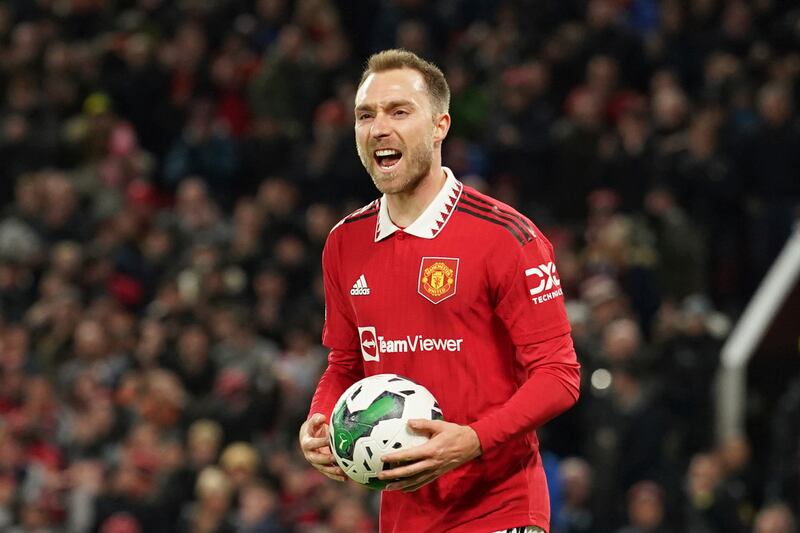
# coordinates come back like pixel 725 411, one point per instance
pixel 169 171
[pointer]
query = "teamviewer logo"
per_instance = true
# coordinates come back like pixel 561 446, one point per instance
pixel 369 343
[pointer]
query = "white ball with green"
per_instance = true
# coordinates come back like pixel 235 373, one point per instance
pixel 371 420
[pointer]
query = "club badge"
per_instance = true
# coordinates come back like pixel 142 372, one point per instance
pixel 438 277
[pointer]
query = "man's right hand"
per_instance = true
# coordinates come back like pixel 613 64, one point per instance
pixel 314 441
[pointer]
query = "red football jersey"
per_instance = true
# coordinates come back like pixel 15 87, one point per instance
pixel 467 302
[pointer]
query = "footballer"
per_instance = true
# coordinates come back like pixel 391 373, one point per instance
pixel 456 291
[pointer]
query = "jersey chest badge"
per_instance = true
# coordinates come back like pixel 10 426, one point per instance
pixel 438 277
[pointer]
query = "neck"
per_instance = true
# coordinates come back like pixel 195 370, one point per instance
pixel 405 207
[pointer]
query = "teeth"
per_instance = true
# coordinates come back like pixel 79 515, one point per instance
pixel 381 153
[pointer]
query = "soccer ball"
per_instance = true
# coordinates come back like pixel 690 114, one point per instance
pixel 370 420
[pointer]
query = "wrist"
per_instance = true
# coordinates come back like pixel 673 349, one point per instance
pixel 476 450
pixel 483 435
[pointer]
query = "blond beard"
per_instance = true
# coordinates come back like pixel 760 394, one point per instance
pixel 419 164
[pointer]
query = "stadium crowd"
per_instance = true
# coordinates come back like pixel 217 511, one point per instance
pixel 169 171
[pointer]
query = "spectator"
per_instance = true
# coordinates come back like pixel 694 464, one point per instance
pixel 775 518
pixel 205 149
pixel 709 506
pixel 772 149
pixel 240 462
pixel 646 513
pixel 212 512
pixel 577 513
pixel 784 476
pixel 258 510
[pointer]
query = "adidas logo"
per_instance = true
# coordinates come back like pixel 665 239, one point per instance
pixel 360 287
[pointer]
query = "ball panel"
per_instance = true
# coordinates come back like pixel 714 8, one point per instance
pixel 371 419
pixel 351 426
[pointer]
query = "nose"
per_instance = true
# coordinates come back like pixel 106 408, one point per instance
pixel 380 126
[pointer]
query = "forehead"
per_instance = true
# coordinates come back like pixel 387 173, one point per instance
pixel 405 84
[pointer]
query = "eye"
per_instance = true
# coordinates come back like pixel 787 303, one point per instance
pixel 400 112
pixel 364 116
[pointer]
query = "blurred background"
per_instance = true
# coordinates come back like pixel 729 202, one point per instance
pixel 169 171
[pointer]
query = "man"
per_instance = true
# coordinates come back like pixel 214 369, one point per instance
pixel 774 518
pixel 434 259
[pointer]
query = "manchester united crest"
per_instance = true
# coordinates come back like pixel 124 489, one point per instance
pixel 438 277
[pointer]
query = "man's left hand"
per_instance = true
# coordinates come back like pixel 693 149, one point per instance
pixel 450 446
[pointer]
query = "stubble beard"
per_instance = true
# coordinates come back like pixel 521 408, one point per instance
pixel 418 162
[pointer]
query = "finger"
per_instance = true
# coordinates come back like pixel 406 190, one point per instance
pixel 422 425
pixel 334 471
pixel 320 458
pixel 316 422
pixel 313 443
pixel 336 476
pixel 407 471
pixel 416 453
pixel 321 431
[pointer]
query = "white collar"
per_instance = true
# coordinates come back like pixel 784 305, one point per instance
pixel 432 220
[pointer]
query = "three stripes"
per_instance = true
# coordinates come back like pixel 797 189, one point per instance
pixel 516 224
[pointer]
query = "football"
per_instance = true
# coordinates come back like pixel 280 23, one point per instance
pixel 370 420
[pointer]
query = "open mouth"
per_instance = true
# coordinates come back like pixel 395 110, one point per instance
pixel 387 158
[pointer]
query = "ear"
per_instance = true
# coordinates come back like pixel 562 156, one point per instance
pixel 441 125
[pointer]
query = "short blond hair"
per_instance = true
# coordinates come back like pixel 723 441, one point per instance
pixel 212 481
pixel 397 58
pixel 205 430
pixel 239 455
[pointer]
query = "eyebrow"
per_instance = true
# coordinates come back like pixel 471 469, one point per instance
pixel 389 105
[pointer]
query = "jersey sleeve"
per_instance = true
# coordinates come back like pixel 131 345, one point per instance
pixel 552 387
pixel 530 303
pixel 530 300
pixel 339 333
